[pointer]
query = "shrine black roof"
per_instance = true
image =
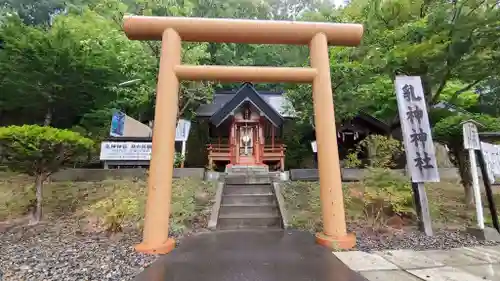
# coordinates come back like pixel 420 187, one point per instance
pixel 364 119
pixel 273 104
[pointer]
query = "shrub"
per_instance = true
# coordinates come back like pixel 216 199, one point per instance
pixel 352 160
pixel 40 151
pixel 303 204
pixel 126 204
pixel 381 150
pixel 178 160
pixel 386 194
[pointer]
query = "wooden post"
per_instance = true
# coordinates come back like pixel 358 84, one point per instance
pixel 476 189
pixel 332 201
pixel 156 224
pixel 272 137
pixel 422 208
pixel 183 153
pixel 231 143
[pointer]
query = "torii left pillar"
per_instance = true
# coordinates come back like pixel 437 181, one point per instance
pixel 156 223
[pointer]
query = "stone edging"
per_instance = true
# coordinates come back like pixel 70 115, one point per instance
pixel 281 204
pixel 212 223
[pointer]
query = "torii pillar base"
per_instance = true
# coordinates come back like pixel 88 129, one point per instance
pixel 165 248
pixel 345 242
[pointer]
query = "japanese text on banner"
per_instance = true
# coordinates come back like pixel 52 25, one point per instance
pixel 419 148
pixel 491 154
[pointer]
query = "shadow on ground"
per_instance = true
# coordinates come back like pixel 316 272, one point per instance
pixel 249 256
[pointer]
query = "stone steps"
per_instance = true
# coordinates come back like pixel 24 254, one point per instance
pixel 246 221
pixel 237 209
pixel 248 202
pixel 247 169
pixel 264 198
pixel 247 179
pixel 235 189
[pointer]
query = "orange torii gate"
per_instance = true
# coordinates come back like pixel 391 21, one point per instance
pixel 172 31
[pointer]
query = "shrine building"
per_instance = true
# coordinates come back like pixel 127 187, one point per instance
pixel 248 126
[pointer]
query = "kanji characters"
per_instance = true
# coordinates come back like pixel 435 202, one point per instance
pixel 423 162
pixel 409 93
pixel 415 114
pixel 417 137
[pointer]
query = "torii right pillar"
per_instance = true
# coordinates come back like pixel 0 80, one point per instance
pixel 334 233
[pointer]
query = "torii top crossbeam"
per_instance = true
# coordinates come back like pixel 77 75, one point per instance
pixel 242 31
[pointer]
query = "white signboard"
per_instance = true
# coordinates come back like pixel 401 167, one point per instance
pixel 314 146
pixel 471 136
pixel 182 130
pixel 491 155
pixel 125 151
pixel 419 148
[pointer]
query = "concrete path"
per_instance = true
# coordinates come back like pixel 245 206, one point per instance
pixel 250 256
pixel 464 264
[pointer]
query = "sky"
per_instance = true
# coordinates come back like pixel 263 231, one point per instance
pixel 338 2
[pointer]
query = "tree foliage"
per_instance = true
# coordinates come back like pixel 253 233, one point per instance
pixel 37 150
pixel 62 61
pixel 40 151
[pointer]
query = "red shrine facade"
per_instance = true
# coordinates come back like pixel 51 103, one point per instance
pixel 246 128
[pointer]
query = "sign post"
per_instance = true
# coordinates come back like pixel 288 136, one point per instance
pixel 182 134
pixel 472 143
pixel 419 148
pixel 314 148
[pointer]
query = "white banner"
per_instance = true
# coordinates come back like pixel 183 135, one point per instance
pixel 125 151
pixel 419 148
pixel 491 154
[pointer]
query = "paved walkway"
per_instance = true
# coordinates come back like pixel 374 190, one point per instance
pixel 294 256
pixel 250 256
pixel 464 264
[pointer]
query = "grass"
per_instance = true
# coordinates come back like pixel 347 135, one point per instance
pixel 112 204
pixel 445 202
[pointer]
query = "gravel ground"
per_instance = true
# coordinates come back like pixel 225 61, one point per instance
pixel 412 239
pixel 54 252
pixel 58 252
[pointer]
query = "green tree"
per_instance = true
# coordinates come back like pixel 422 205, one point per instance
pixel 489 97
pixel 40 151
pixel 451 45
pixel 53 77
pixel 34 12
pixel 138 100
pixel 440 41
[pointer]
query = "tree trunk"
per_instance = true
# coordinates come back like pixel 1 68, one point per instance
pixel 37 216
pixel 465 174
pixel 48 118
